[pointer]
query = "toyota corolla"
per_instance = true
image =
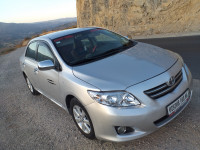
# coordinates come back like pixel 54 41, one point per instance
pixel 115 88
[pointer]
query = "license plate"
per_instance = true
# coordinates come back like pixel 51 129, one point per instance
pixel 172 108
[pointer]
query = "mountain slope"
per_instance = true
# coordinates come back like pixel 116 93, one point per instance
pixel 11 33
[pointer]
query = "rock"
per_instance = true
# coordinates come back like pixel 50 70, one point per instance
pixel 140 17
pixel 139 3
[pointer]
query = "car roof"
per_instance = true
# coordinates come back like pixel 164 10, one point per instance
pixel 58 34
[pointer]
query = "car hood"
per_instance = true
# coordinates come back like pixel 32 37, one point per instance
pixel 132 66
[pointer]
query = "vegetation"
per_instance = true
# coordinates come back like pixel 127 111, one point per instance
pixel 7 50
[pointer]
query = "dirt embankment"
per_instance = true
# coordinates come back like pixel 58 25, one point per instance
pixel 140 17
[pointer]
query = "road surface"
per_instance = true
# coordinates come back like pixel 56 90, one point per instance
pixel 34 122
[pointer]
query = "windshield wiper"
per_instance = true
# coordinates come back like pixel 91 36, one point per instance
pixel 107 53
pixel 86 60
pixel 113 51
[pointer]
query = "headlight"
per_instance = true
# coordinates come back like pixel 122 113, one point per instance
pixel 117 99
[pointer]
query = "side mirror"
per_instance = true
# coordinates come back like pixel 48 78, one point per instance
pixel 46 65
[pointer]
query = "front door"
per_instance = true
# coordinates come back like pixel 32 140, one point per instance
pixel 48 79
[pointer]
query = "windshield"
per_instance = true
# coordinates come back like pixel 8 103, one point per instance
pixel 91 45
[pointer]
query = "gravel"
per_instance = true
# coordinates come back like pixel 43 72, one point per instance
pixel 34 122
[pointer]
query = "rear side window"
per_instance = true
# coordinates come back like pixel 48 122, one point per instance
pixel 44 53
pixel 31 50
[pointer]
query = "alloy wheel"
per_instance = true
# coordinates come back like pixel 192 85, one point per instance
pixel 81 119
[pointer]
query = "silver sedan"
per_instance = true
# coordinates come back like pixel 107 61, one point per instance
pixel 115 88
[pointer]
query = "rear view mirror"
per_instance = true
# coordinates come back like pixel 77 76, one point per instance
pixel 46 65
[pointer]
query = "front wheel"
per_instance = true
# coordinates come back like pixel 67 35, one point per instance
pixel 82 119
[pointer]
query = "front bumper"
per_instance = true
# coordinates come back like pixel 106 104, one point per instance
pixel 145 119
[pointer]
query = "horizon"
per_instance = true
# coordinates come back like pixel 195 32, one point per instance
pixel 38 21
pixel 36 11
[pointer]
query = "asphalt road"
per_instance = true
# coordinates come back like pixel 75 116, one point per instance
pixel 187 46
pixel 34 122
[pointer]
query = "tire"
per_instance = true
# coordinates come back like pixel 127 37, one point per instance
pixel 30 87
pixel 82 119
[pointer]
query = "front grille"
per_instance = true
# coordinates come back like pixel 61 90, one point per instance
pixel 164 89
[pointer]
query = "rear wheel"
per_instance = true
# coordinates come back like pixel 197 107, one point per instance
pixel 31 88
pixel 82 119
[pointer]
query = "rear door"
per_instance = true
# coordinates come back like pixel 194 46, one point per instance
pixel 48 79
pixel 30 63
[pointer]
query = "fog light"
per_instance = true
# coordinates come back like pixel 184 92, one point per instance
pixel 121 130
pixel 124 130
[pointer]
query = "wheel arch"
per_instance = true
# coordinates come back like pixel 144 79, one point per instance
pixel 24 74
pixel 68 101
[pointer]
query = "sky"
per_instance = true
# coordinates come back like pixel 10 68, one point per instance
pixel 27 11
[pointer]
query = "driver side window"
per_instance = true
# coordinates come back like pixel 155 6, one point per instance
pixel 44 53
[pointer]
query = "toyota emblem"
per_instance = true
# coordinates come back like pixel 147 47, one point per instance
pixel 171 81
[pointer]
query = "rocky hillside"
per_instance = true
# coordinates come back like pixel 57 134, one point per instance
pixel 140 17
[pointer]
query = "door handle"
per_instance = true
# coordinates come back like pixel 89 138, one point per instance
pixel 36 70
pixel 23 64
